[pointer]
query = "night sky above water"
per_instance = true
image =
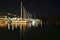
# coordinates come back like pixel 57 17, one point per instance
pixel 43 8
pixel 40 7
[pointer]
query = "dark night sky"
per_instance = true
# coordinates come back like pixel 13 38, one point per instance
pixel 40 7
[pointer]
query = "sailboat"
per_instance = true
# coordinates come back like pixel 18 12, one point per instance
pixel 26 18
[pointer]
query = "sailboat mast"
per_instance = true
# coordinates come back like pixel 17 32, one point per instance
pixel 24 15
pixel 21 10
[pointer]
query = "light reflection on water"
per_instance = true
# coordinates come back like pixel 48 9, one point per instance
pixel 18 24
pixel 44 31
